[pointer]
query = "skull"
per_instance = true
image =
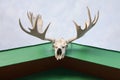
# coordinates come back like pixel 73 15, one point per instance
pixel 60 48
pixel 60 44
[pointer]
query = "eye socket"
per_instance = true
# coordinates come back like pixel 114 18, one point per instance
pixel 63 46
pixel 55 46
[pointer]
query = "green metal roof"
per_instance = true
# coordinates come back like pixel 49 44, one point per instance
pixel 77 51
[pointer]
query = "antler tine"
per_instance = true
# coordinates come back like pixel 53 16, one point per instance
pixel 29 15
pixel 78 30
pixel 21 26
pixel 34 31
pixel 88 26
pixel 91 22
pixel 96 18
pixel 89 15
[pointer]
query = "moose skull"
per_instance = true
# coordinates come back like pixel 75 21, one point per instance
pixel 59 45
pixel 60 48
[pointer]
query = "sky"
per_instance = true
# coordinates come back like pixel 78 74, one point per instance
pixel 105 34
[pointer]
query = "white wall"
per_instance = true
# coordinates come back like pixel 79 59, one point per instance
pixel 105 34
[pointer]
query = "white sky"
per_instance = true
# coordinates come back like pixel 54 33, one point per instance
pixel 105 34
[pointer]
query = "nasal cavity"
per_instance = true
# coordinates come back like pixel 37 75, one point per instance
pixel 59 51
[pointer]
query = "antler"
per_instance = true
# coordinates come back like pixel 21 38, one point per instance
pixel 88 26
pixel 36 22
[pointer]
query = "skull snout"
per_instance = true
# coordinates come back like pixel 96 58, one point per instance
pixel 60 48
pixel 59 51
